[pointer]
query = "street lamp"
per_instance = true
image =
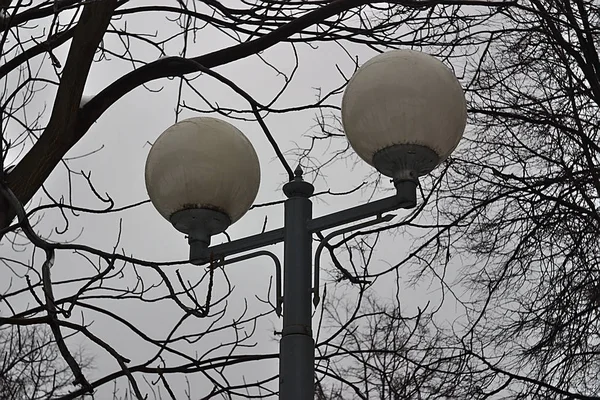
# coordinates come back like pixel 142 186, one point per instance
pixel 403 112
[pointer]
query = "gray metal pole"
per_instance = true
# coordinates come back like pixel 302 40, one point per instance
pixel 297 346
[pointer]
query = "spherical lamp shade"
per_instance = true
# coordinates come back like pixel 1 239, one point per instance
pixel 202 163
pixel 404 104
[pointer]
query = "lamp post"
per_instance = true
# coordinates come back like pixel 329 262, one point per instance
pixel 403 112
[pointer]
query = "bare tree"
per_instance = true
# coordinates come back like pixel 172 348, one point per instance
pixel 516 208
pixel 31 366
pixel 382 354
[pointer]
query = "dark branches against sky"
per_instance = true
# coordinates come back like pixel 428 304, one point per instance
pixel 506 235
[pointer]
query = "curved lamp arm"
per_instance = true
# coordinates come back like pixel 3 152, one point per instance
pixel 279 297
pixel 325 240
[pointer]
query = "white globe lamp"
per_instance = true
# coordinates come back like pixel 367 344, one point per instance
pixel 202 174
pixel 404 112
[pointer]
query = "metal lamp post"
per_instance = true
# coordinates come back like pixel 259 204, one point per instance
pixel 403 112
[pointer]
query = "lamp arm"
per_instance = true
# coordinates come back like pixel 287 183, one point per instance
pixel 403 199
pixel 244 244
pixel 375 208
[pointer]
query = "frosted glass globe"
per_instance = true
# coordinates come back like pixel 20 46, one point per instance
pixel 202 163
pixel 404 97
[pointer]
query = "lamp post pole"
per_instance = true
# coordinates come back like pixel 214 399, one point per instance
pixel 297 346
